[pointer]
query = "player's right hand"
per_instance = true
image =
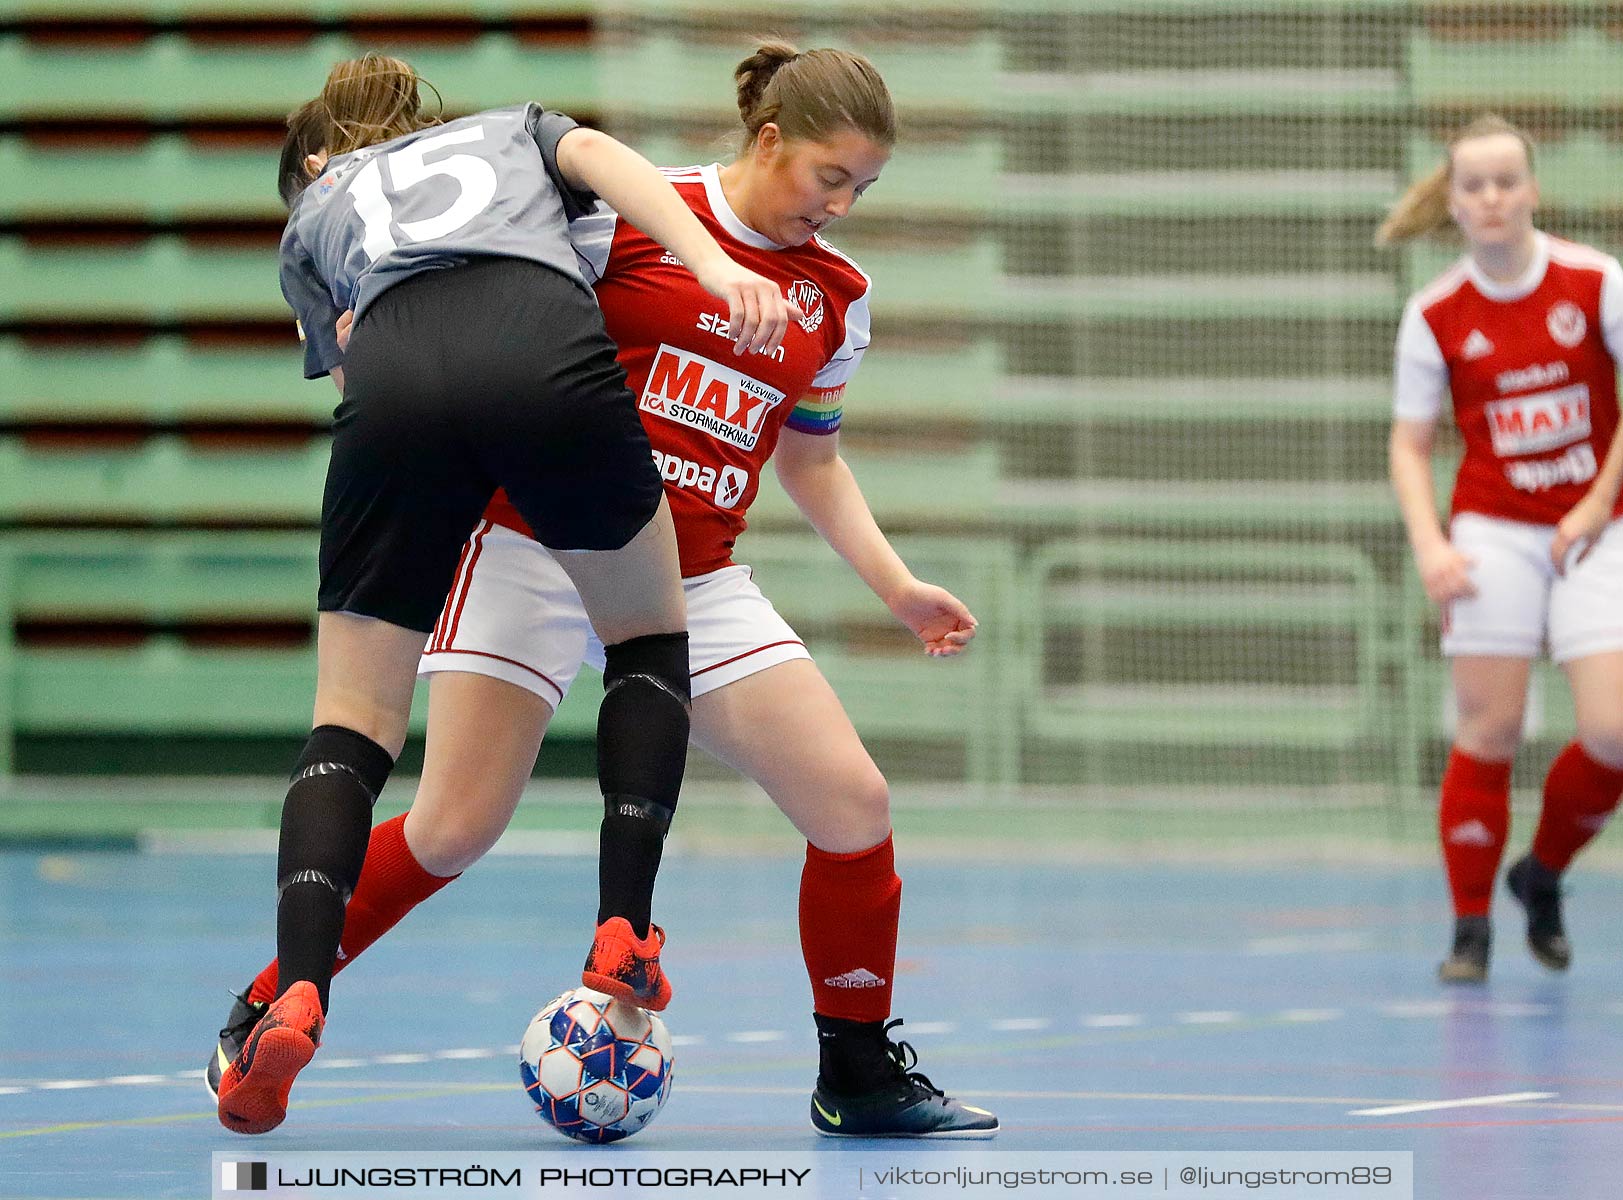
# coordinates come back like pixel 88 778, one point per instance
pixel 1579 529
pixel 758 313
pixel 1446 573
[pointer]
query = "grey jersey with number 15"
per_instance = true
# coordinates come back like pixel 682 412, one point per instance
pixel 488 184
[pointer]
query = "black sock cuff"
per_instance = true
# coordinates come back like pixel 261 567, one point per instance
pixel 664 656
pixel 369 762
pixel 638 808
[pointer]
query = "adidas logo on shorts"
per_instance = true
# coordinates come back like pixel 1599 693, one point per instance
pixel 859 978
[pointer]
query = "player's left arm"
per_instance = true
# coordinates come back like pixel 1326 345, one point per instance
pixel 1583 523
pixel 822 486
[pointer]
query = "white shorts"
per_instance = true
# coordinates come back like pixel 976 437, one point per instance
pixel 514 615
pixel 1520 598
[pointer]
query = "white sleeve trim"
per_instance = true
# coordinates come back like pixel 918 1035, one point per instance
pixel 1611 308
pixel 1420 376
pixel 593 238
pixel 837 371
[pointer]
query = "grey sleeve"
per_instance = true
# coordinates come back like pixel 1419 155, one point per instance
pixel 547 128
pixel 313 306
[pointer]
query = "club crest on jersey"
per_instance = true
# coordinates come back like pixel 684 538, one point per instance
pixel 809 298
pixel 1566 323
pixel 702 394
pixel 1542 421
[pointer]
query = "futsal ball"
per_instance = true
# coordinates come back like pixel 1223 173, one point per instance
pixel 597 1068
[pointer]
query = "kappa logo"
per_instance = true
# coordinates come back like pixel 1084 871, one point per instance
pixel 809 297
pixel 1476 346
pixel 730 485
pixel 726 485
pixel 702 394
pixel 1542 421
pixel 1566 323
pixel 1471 833
pixel 861 977
pixel 1577 465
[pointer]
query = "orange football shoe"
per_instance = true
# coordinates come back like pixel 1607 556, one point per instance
pixel 254 1088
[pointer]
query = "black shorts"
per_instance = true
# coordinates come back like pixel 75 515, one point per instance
pixel 494 374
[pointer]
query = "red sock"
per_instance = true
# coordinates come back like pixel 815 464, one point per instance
pixel 392 883
pixel 1579 794
pixel 850 906
pixel 1473 821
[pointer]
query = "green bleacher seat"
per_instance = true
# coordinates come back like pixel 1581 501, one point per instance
pixel 158 78
pixel 925 486
pixel 168 179
pixel 1583 69
pixel 161 480
pixel 667 72
pixel 273 10
pixel 964 176
pixel 165 684
pixel 1205 507
pixel 159 279
pixel 161 379
pixel 1177 400
pixel 1103 589
pixel 161 577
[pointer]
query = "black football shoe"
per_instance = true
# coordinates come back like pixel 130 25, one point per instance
pixel 904 1104
pixel 239 1023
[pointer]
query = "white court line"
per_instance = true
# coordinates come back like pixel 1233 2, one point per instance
pixel 1312 1014
pixel 748 1036
pixel 64 1085
pixel 1207 1018
pixel 1394 1110
pixel 134 1079
pixel 1112 1020
pixel 467 1053
pixel 687 1039
pixel 339 1064
pixel 1019 1024
pixel 1417 1008
pixel 399 1059
pixel 920 1028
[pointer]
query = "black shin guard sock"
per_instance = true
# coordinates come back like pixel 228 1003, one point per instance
pixel 629 850
pixel 852 1056
pixel 326 821
pixel 642 740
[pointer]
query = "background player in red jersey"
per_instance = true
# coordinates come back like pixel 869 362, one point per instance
pixel 1524 332
pixel 819 128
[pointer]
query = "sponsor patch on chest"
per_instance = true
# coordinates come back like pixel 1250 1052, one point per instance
pixel 1542 421
pixel 702 394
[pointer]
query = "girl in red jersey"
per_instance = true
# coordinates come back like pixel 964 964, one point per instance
pixel 1524 333
pixel 819 128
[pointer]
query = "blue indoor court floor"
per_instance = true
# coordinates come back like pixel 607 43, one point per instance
pixel 1096 1007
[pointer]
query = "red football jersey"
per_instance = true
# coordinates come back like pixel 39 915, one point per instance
pixel 714 417
pixel 1532 369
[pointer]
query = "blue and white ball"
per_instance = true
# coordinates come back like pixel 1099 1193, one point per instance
pixel 598 1069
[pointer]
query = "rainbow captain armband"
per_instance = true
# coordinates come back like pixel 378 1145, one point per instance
pixel 818 411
